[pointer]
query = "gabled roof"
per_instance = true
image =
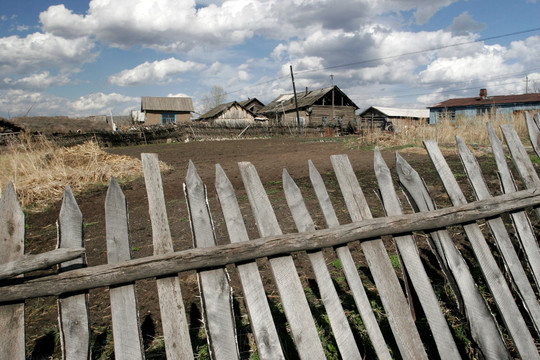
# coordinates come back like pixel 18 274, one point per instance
pixel 285 102
pixel 400 112
pixel 218 110
pixel 488 101
pixel 247 102
pixel 152 103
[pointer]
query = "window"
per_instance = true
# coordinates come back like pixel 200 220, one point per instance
pixel 168 118
pixel 483 111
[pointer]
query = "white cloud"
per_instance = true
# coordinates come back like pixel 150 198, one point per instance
pixel 182 25
pixel 18 102
pixel 161 24
pixel 464 24
pixel 162 71
pixel 37 81
pixel 38 51
pixel 100 103
pixel 481 66
pixel 243 75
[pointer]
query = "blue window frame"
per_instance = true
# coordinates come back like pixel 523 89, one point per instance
pixel 168 118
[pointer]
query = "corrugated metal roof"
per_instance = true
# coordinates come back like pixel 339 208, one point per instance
pixel 400 112
pixel 488 101
pixel 166 103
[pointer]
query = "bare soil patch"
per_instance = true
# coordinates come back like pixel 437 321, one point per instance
pixel 269 156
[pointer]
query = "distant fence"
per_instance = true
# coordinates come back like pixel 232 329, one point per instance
pixel 141 134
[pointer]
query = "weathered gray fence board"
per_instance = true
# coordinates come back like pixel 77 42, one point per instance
pixel 73 309
pixel 520 157
pixel 349 268
pixel 408 251
pixel 11 249
pixel 392 297
pixel 338 321
pixel 171 305
pixel 125 320
pixel 40 261
pixel 482 324
pixel 502 239
pixel 521 221
pixel 262 324
pixel 214 286
pixel 205 258
pixel 286 277
pixel 533 128
pixel 499 288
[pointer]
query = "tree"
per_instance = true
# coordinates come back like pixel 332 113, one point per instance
pixel 215 97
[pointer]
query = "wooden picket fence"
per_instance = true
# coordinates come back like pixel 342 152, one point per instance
pixel 513 288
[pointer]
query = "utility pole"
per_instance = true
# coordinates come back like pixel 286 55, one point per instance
pixel 295 100
pixel 526 84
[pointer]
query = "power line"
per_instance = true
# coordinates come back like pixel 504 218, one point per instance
pixel 421 51
pixel 362 62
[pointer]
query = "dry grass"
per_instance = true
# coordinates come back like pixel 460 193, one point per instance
pixel 40 169
pixel 472 130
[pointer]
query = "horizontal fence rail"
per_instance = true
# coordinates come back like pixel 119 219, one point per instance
pixel 496 290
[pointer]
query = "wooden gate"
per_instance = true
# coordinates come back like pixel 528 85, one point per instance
pixel 513 288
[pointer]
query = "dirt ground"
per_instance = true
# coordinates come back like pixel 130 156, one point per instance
pixel 269 156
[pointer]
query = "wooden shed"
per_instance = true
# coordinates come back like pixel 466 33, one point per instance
pixel 166 110
pixel 322 107
pixel 231 113
pixel 379 117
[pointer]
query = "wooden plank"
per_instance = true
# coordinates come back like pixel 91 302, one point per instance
pixel 522 224
pixel 28 263
pixel 520 157
pixel 502 239
pixel 483 328
pixel 410 257
pixel 192 259
pixel 72 309
pixel 349 268
pixel 125 323
pixel 215 289
pixel 261 322
pixel 171 305
pixel 11 250
pixel 394 302
pixel 533 130
pixel 288 283
pixel 494 278
pixel 338 321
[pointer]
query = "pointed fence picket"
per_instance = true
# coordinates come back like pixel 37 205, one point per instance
pixel 509 286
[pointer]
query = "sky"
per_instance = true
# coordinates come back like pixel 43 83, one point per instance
pixel 78 58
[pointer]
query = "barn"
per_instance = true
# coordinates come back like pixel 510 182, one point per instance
pixel 322 107
pixel 483 104
pixel 166 110
pixel 379 117
pixel 231 113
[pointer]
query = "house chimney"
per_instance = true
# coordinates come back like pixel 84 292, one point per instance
pixel 306 90
pixel 483 93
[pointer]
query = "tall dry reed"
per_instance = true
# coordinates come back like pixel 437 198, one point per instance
pixel 472 130
pixel 40 169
